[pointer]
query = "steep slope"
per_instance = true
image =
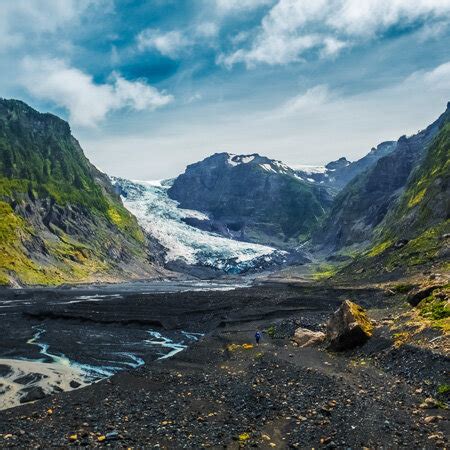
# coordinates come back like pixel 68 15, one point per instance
pixel 252 198
pixel 366 200
pixel 61 219
pixel 416 232
pixel 184 246
pixel 337 174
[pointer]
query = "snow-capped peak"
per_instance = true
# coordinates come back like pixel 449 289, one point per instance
pixel 235 160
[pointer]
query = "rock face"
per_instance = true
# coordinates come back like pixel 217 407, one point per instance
pixel 363 204
pixel 60 218
pixel 410 232
pixel 337 174
pixel 348 327
pixel 307 338
pixel 251 197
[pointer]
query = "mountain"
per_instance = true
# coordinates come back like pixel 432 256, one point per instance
pixel 61 219
pixel 416 230
pixel 184 247
pixel 364 203
pixel 251 198
pixel 337 174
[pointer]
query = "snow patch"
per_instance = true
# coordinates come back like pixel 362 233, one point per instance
pixel 235 160
pixel 309 169
pixel 268 168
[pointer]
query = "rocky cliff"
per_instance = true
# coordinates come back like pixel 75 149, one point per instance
pixel 251 197
pixel 61 220
pixel 415 233
pixel 364 203
pixel 337 174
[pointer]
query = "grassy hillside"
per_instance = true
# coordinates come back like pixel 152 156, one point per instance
pixel 60 217
pixel 415 232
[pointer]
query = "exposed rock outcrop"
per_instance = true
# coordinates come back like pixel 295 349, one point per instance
pixel 307 338
pixel 348 327
pixel 366 200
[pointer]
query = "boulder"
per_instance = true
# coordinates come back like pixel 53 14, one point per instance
pixel 32 394
pixel 418 294
pixel 348 327
pixel 306 338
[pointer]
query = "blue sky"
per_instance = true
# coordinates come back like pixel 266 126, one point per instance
pixel 151 86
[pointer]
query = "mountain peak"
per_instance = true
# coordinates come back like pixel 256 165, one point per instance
pixel 35 121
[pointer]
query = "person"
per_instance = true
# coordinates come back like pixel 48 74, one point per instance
pixel 257 337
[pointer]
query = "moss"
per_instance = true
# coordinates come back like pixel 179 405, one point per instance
pixel 443 389
pixel 325 272
pixel 401 338
pixel 402 288
pixel 235 347
pixel 436 309
pixel 271 331
pixel 379 248
pixel 244 437
pixel 361 317
pixel 417 198
pixel 121 218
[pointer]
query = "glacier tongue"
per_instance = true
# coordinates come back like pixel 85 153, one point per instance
pixel 163 220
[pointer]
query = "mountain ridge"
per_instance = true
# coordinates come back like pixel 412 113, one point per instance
pixel 61 219
pixel 251 197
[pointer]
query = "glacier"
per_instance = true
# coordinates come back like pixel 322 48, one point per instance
pixel 163 220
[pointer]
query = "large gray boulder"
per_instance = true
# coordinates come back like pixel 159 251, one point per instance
pixel 348 327
pixel 307 338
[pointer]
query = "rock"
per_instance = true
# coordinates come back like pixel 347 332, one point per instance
pixel 401 243
pixel 348 327
pixel 418 294
pixel 432 419
pixel 429 403
pixel 113 436
pixel 306 338
pixel 74 384
pixel 32 394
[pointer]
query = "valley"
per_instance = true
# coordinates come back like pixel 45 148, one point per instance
pixel 222 389
pixel 129 308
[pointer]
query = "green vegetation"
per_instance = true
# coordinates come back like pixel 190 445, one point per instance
pixel 271 331
pixel 443 389
pixel 361 317
pixel 420 217
pixel 379 248
pixel 436 309
pixel 43 171
pixel 402 288
pixel 325 272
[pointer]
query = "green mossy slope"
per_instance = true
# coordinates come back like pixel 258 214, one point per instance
pixel 60 218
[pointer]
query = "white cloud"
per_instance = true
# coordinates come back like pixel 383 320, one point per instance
pixel 231 6
pixel 21 17
pixel 312 98
pixel 293 27
pixel 87 102
pixel 207 29
pixel 332 46
pixel 169 44
pixel 436 79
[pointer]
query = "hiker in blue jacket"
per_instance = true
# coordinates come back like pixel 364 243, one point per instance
pixel 257 337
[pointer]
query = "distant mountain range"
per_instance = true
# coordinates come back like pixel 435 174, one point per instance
pixel 62 220
pixel 337 174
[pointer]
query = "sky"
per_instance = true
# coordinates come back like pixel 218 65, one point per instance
pixel 149 86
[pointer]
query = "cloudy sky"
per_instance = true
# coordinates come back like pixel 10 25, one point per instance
pixel 149 86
